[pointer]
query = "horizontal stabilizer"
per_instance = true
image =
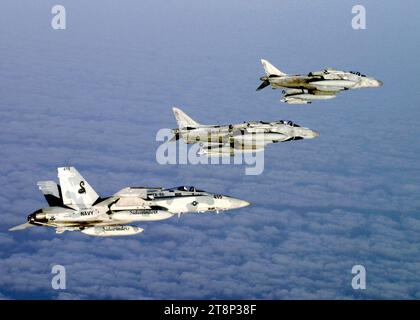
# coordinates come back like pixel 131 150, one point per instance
pixel 264 84
pixel 22 227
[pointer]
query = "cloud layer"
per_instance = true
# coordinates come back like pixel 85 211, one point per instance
pixel 94 96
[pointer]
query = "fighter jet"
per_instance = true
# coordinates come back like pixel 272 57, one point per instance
pixel 75 206
pixel 226 140
pixel 318 85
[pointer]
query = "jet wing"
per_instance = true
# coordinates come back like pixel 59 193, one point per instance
pixel 320 89
pixel 107 201
pixel 227 149
pixel 130 199
pixel 137 192
pixel 211 144
pixel 130 203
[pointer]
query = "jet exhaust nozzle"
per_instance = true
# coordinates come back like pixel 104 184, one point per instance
pixel 36 216
pixel 176 135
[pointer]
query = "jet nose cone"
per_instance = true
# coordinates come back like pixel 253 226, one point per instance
pixel 371 82
pixel 379 83
pixel 238 203
pixel 311 134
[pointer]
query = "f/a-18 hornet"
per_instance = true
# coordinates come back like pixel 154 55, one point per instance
pixel 75 206
pixel 225 140
pixel 318 85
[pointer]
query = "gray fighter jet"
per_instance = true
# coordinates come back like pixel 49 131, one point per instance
pixel 319 85
pixel 226 140
pixel 75 206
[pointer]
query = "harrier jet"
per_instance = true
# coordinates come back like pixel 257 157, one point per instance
pixel 319 85
pixel 216 140
pixel 75 206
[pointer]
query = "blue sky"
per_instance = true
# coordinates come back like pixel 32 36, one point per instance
pixel 94 95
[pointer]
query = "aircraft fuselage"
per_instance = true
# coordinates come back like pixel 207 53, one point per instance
pixel 167 203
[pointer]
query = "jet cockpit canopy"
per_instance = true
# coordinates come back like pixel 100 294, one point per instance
pixel 357 73
pixel 185 189
pixel 289 123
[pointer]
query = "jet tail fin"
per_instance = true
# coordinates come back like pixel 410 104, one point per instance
pixel 51 192
pixel 271 70
pixel 76 191
pixel 183 119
